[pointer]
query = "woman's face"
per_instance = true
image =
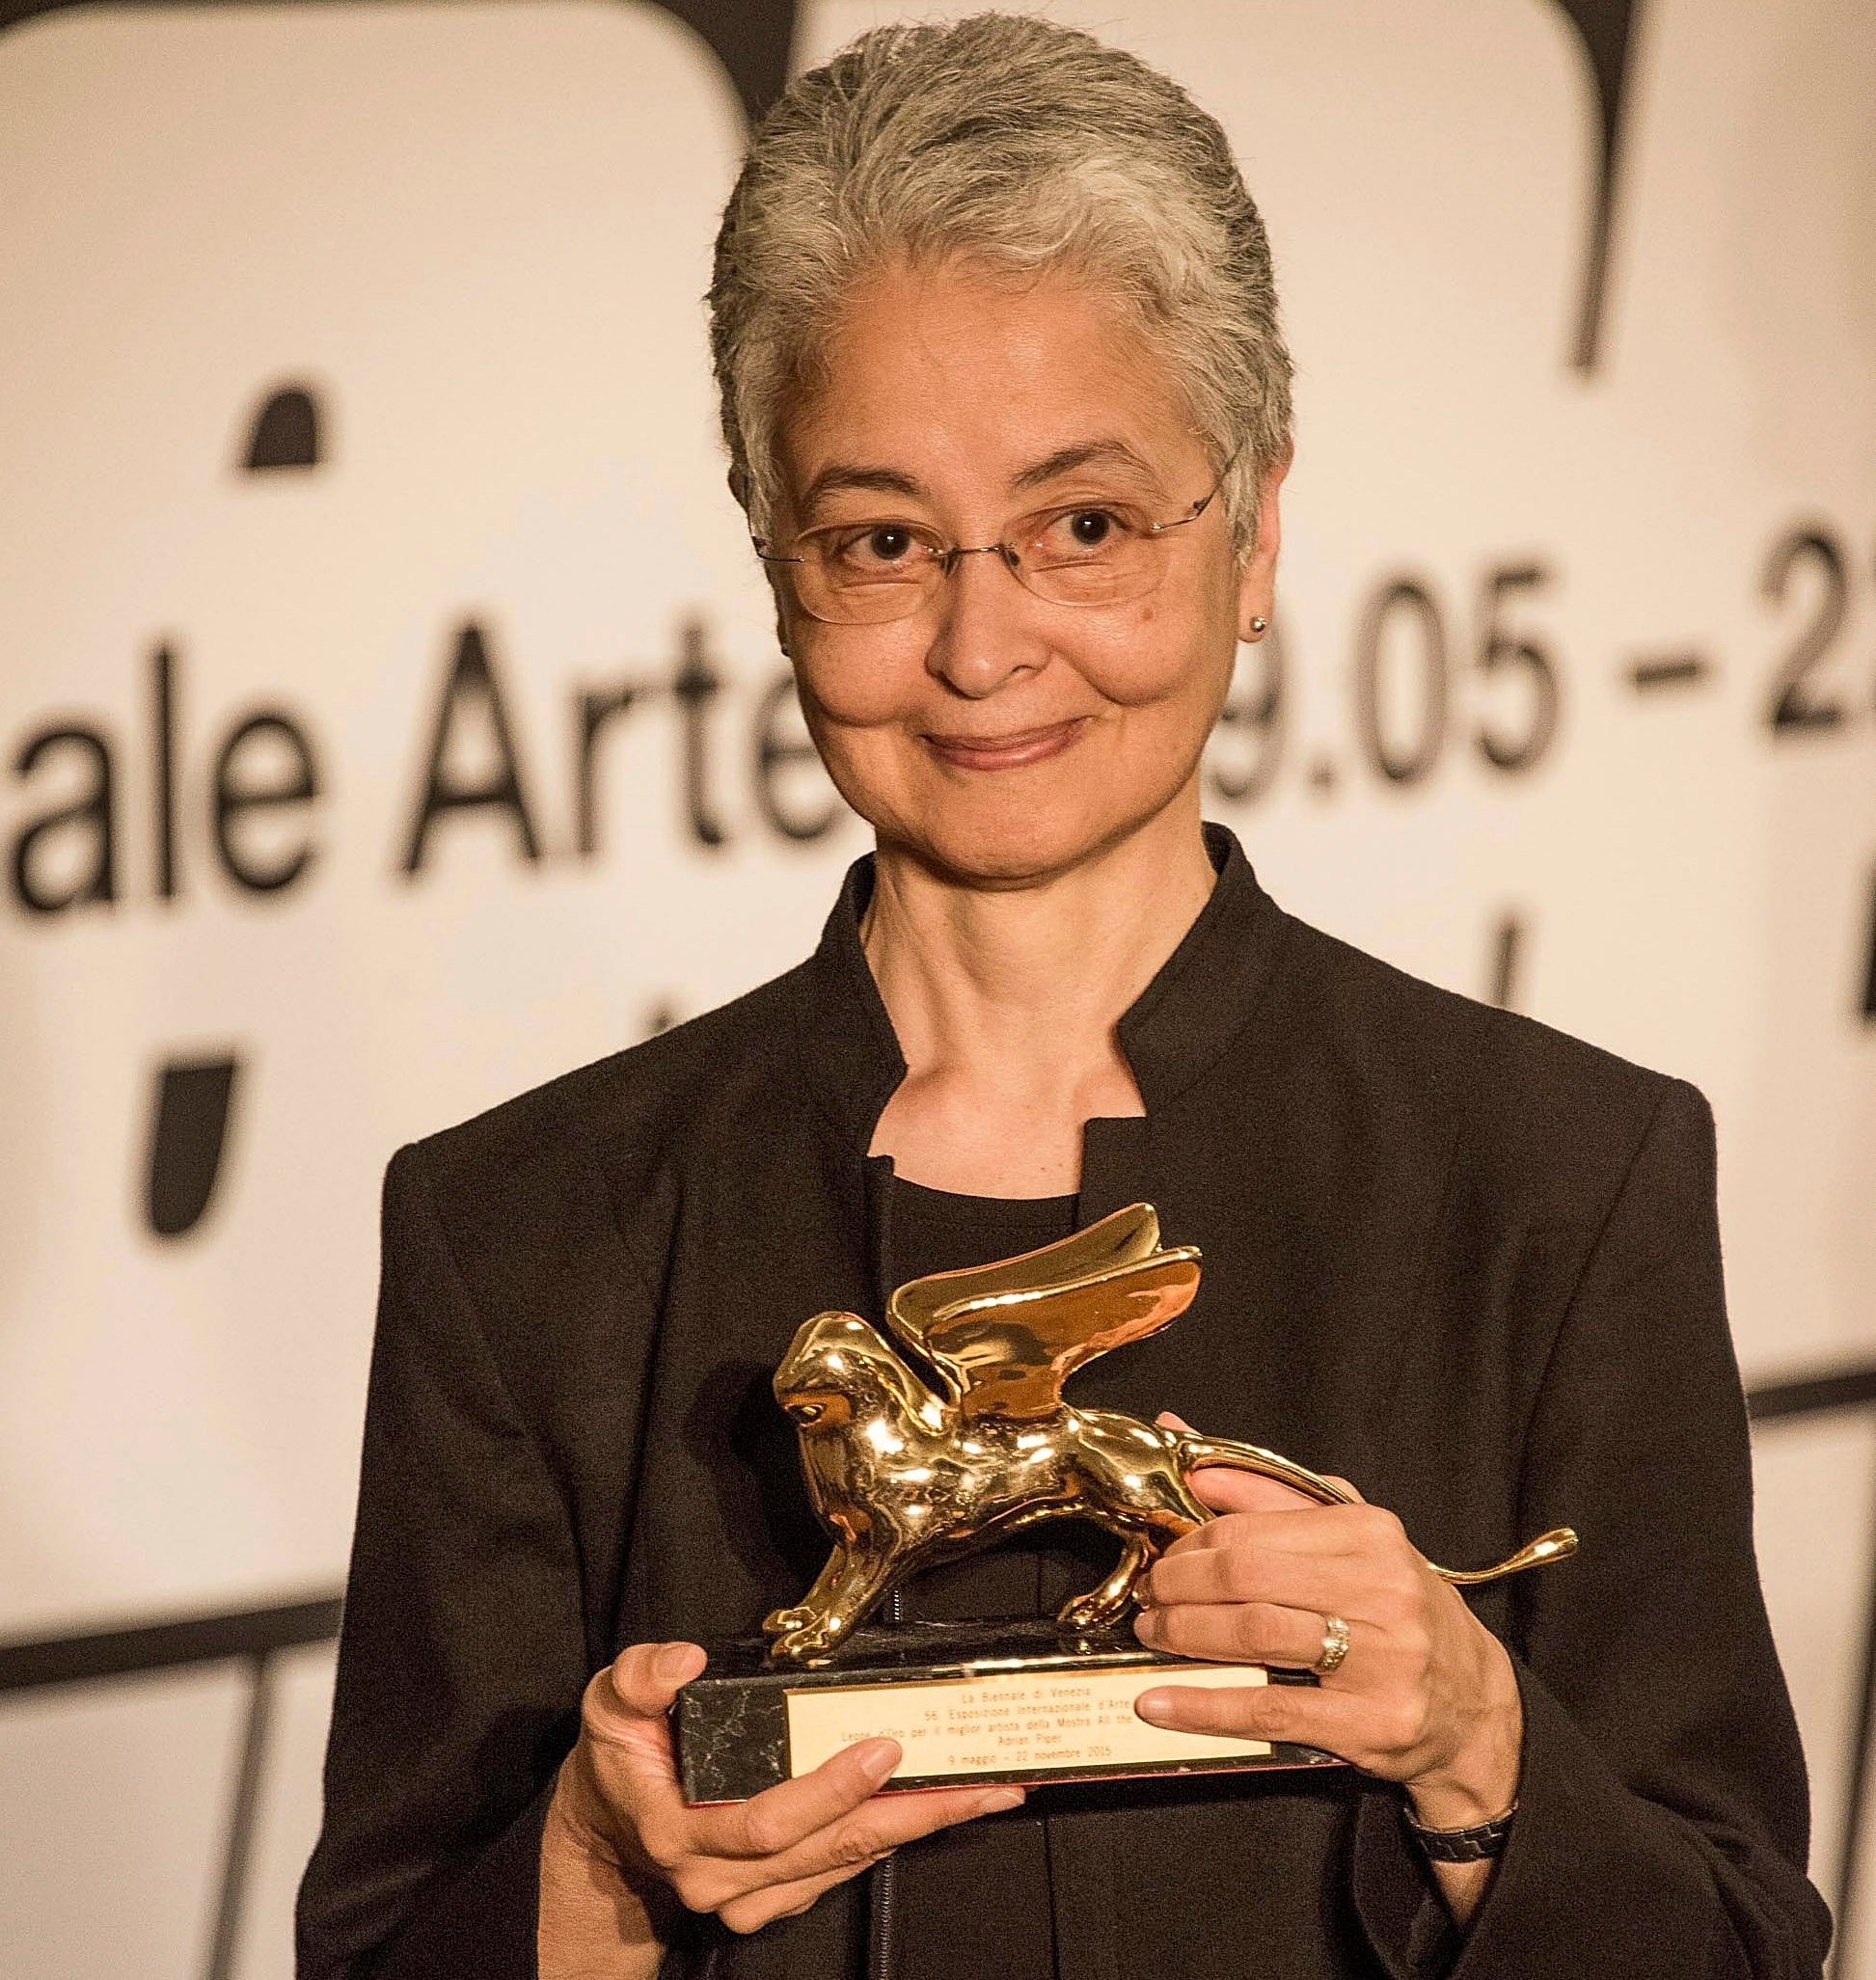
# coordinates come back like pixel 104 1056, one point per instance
pixel 996 736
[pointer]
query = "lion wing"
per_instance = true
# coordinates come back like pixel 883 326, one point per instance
pixel 1007 1336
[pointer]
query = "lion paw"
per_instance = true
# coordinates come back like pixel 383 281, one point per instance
pixel 1094 1610
pixel 804 1642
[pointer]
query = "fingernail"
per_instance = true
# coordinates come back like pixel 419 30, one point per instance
pixel 672 1665
pixel 878 1758
pixel 1157 1708
pixel 1000 1799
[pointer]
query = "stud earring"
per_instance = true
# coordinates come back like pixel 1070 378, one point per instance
pixel 1259 626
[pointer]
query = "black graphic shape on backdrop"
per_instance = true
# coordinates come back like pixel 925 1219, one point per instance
pixel 1508 952
pixel 188 1135
pixel 287 432
pixel 752 39
pixel 1869 968
pixel 749 38
pixel 472 682
pixel 1606 29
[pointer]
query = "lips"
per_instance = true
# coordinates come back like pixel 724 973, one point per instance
pixel 1014 749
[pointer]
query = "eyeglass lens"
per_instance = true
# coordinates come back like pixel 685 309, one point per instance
pixel 872 572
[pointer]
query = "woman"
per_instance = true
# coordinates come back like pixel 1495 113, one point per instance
pixel 1007 406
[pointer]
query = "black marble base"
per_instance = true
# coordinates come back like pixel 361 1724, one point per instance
pixel 1019 1696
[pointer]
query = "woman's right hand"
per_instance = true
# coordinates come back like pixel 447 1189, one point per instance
pixel 621 1839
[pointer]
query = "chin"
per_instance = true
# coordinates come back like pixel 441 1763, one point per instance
pixel 1005 848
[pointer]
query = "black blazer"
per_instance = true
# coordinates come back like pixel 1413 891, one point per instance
pixel 1469 1262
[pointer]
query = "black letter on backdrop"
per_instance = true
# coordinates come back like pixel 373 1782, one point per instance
pixel 95 809
pixel 1869 975
pixel 696 685
pixel 594 712
pixel 162 770
pixel 472 677
pixel 775 750
pixel 234 797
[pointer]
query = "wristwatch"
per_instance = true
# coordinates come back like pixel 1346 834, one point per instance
pixel 1474 1845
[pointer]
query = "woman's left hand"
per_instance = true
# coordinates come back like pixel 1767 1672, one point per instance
pixel 1425 1694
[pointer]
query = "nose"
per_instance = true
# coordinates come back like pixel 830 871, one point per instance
pixel 985 626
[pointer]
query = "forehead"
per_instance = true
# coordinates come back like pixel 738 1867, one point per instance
pixel 958 376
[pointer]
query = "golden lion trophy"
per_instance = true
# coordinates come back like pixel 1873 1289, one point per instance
pixel 904 1472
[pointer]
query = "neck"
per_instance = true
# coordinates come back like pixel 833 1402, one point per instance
pixel 1018 989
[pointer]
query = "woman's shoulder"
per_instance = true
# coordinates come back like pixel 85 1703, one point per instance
pixel 1519 1088
pixel 631 1106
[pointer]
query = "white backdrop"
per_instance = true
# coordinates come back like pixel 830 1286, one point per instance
pixel 475 237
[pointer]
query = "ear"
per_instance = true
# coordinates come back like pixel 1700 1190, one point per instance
pixel 1257 579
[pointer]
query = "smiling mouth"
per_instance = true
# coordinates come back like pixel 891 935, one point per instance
pixel 1011 751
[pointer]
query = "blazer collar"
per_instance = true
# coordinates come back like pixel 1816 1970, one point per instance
pixel 1202 997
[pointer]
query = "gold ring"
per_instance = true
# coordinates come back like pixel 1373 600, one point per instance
pixel 1335 1644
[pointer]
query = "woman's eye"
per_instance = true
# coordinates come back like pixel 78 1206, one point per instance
pixel 1090 527
pixel 876 546
pixel 1084 533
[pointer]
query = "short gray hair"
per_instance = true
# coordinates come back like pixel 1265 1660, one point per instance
pixel 1027 145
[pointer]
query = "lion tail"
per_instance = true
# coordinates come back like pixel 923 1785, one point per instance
pixel 1194 1451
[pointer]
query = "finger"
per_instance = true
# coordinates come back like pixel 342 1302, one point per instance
pixel 1225 1490
pixel 889 1821
pixel 643 1681
pixel 1253 1572
pixel 1265 1632
pixel 760 1908
pixel 1288 1558
pixel 1292 1713
pixel 844 1848
pixel 622 1715
pixel 623 1770
pixel 780 1817
pixel 1241 1632
pixel 790 1898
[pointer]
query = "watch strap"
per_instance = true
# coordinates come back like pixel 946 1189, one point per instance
pixel 1477 1844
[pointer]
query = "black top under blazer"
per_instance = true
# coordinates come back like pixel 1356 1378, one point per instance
pixel 1468 1263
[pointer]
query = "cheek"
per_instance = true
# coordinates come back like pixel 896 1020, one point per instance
pixel 1160 654
pixel 850 683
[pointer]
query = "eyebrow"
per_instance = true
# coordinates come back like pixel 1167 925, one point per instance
pixel 1065 460
pixel 837 474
